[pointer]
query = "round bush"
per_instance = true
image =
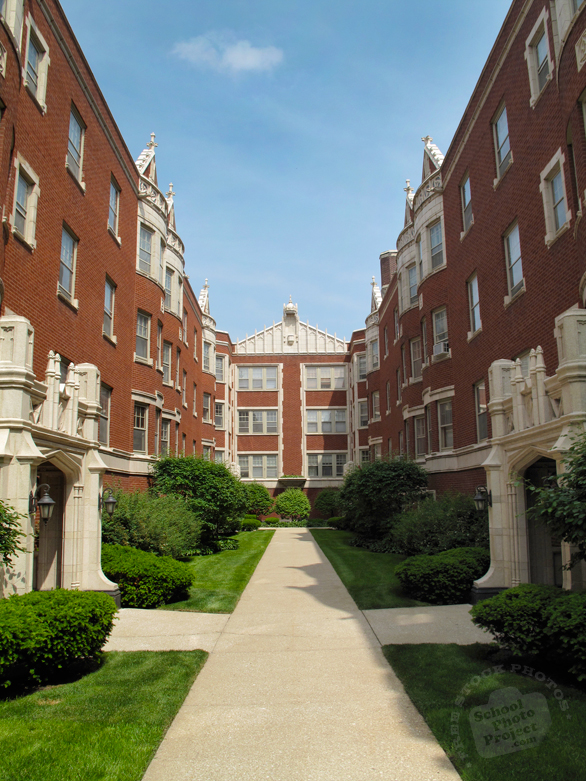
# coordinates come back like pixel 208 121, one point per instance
pixel 445 578
pixel 327 503
pixel 44 631
pixel 293 503
pixel 250 525
pixel 145 580
pixel 516 617
pixel 258 499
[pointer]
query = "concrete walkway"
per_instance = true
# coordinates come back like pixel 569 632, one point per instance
pixel 297 689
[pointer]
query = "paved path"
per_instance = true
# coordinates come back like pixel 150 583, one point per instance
pixel 297 689
pixel 165 630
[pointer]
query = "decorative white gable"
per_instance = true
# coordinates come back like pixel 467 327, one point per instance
pixel 204 299
pixel 377 298
pixel 146 163
pixel 432 158
pixel 409 203
pixel 291 336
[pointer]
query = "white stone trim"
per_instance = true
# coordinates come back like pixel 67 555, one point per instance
pixel 555 165
pixel 31 28
pixel 21 164
pixel 539 28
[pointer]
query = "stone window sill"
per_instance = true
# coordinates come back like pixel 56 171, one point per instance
pixel 112 339
pixel 80 184
pixel 72 303
pixel 144 361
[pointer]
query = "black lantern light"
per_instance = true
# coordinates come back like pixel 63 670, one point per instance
pixel 107 500
pixel 483 498
pixel 45 503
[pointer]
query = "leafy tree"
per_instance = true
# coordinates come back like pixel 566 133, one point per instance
pixel 212 492
pixel 561 501
pixel 258 499
pixel 327 503
pixel 293 503
pixel 373 495
pixel 10 533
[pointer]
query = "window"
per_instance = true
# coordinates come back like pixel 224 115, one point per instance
pixel 362 366
pixel 37 64
pixel 539 62
pixel 113 207
pixel 467 215
pixel 401 443
pixel 436 244
pixel 143 324
pixel 140 428
pixel 26 196
pixel 259 467
pixel 325 377
pixel 399 392
pixel 388 396
pixel 412 284
pixel 445 425
pixel 419 256
pixel 415 358
pixel 481 411
pixel 219 456
pixel 176 439
pixel 514 264
pixel 207 400
pixel 219 415
pixel 159 345
pixel 474 304
pixel 161 261
pixel 184 389
pixel 195 343
pixel 177 360
pixel 365 456
pixel 67 265
pixel 373 355
pixel 220 368
pixel 207 348
pixel 145 249
pixel 404 362
pixel 167 362
pixel 207 453
pixel 396 313
pixel 157 431
pixel 108 325
pixel 558 200
pixel 428 416
pixel 23 190
pixel 165 436
pixel 183 442
pixel 440 328
pixel 257 421
pixel 104 423
pixel 377 451
pixel 257 378
pixel 363 414
pixel 420 436
pixel 424 340
pixel 168 288
pixel 324 464
pixel 376 405
pixel 325 421
pixel 501 142
pixel 75 145
pixel 194 400
pixel 386 341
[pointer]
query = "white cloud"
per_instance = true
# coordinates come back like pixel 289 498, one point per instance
pixel 221 53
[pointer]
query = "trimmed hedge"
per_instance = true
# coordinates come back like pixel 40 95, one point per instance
pixel 566 628
pixel 445 578
pixel 250 524
pixel 516 617
pixel 43 631
pixel 144 579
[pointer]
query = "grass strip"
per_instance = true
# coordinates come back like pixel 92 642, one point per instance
pixel 369 577
pixel 434 677
pixel 222 577
pixel 106 726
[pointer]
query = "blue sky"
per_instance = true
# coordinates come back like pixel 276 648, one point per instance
pixel 288 130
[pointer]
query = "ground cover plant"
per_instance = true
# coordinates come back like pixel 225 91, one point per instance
pixel 219 580
pixel 445 578
pixel 436 677
pixel 369 577
pixel 144 579
pixel 106 726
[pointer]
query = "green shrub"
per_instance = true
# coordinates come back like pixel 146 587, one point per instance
pixel 144 579
pixel 43 631
pixel 374 494
pixel 163 525
pixel 516 617
pixel 445 578
pixel 10 533
pixel 328 503
pixel 566 630
pixel 293 503
pixel 338 522
pixel 434 526
pixel 230 526
pixel 258 499
pixel 250 525
pixel 212 492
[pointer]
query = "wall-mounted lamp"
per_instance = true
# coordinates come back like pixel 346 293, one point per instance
pixel 45 504
pixel 483 498
pixel 106 500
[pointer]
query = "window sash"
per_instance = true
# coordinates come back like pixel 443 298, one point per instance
pixel 219 415
pixel 420 436
pixel 168 288
pixel 503 146
pixel 436 243
pixel 167 347
pixel 416 358
pixel 424 340
pixel 108 308
pixel 263 377
pixel 376 405
pixel 104 422
pixel 559 200
pixel 440 326
pixel 363 413
pixel 74 145
pixel 264 466
pixel 142 335
pixel 323 464
pixel 412 284
pixel 139 433
pixel 445 425
pixel 219 368
pixel 68 244
pixel 362 367
pixel 34 57
pixel 206 356
pixel 113 208
pixel 374 358
pixel 514 263
pixel 23 190
pixel 474 304
pixel 541 55
pixel 145 250
pixel 466 204
pixel 206 406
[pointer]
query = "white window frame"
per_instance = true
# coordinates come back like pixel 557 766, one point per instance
pixel 317 421
pixel 184 389
pixel 436 250
pixel 194 410
pixel 177 368
pixel 399 386
pixel 386 338
pixel 104 421
pixel 466 202
pixel 364 455
pixel 363 414
pixel 114 209
pixel 207 357
pixel 167 363
pixel 74 160
pixel 502 146
pixel 373 356
pixel 144 428
pixel 375 405
pixel 412 281
pixel 169 275
pixel 361 369
pixel 474 305
pixel 554 167
pixel 247 378
pixel 315 464
pixel 145 254
pixel 326 377
pixel 419 424
pixel 258 461
pixel 518 286
pixel 109 308
pixel 416 359
pixel 39 91
pixel 207 408
pixel 219 415
pixel 258 422
pixel 62 291
pixel 207 452
pixel 29 177
pixel 440 337
pixel 388 387
pixel 165 436
pixel 481 414
pixel 540 28
pixel 446 430
pixel 143 319
pixel 220 365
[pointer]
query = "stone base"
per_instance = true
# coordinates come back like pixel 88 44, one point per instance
pixel 114 593
pixel 478 594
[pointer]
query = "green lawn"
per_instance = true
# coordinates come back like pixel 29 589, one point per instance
pixel 369 577
pixel 434 676
pixel 106 726
pixel 222 577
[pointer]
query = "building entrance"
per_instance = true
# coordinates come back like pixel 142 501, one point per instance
pixel 49 542
pixel 545 552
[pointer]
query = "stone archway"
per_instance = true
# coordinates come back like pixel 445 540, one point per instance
pixel 48 570
pixel 544 551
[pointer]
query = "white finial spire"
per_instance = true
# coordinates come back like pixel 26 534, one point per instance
pixel 151 144
pixel 408 189
pixel 373 283
pixel 206 286
pixel 427 140
pixel 171 194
